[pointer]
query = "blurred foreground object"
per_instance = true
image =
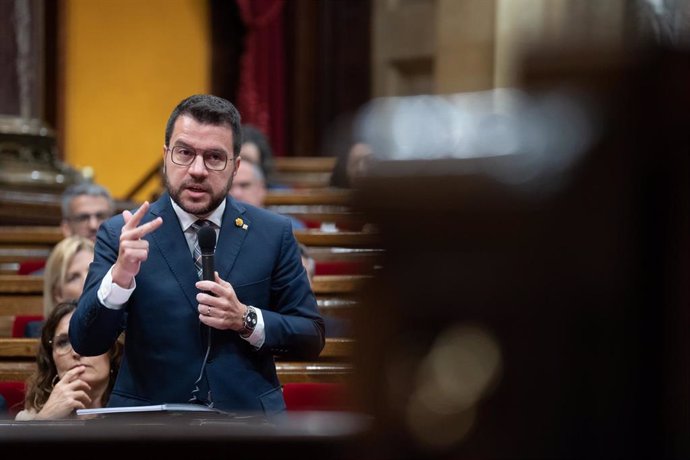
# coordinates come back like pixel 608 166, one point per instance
pixel 532 308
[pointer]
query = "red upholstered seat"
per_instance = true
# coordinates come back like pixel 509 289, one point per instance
pixel 315 396
pixel 13 392
pixel 339 267
pixel 28 267
pixel 20 322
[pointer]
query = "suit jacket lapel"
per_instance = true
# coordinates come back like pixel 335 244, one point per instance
pixel 173 248
pixel 233 231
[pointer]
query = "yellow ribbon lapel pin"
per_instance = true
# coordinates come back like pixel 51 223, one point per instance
pixel 240 223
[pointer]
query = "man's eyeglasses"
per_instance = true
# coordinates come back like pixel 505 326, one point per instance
pixel 84 218
pixel 243 185
pixel 61 344
pixel 185 156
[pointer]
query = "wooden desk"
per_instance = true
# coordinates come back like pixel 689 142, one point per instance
pixel 30 235
pixel 322 435
pixel 10 347
pixel 304 164
pixel 38 208
pixel 48 236
pixel 319 196
pixel 23 294
pixel 17 358
pixel 337 239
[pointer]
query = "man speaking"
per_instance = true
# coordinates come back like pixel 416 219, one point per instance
pixel 191 339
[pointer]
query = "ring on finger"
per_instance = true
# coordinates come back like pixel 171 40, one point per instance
pixel 208 311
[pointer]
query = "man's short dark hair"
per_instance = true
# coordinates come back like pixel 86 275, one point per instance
pixel 212 110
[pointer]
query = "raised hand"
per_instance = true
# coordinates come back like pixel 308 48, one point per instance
pixel 69 394
pixel 133 249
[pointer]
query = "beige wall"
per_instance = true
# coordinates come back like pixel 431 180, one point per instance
pixel 466 45
pixel 523 25
pixel 127 64
pixel 450 46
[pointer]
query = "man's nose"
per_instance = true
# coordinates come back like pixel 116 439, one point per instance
pixel 94 221
pixel 198 167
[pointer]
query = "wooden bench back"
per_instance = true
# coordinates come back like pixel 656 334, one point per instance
pixel 17 362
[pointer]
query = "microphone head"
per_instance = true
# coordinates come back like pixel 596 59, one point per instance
pixel 207 239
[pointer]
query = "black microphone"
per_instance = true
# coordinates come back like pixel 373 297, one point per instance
pixel 206 236
pixel 207 244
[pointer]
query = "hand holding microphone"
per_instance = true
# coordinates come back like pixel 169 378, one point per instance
pixel 218 303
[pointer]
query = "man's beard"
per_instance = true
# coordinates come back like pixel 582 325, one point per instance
pixel 216 200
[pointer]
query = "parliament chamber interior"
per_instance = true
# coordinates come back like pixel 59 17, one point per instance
pixel 504 273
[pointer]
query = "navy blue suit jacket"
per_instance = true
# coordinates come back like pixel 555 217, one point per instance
pixel 165 342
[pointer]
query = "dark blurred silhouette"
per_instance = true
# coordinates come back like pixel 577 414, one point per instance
pixel 344 140
pixel 256 148
pixel 546 317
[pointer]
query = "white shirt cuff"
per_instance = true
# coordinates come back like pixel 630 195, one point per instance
pixel 258 337
pixel 113 296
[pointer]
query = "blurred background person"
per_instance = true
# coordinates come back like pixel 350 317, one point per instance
pixel 64 276
pixel 257 149
pixel 84 207
pixel 345 140
pixel 351 164
pixel 65 381
pixel 249 186
pixel 66 271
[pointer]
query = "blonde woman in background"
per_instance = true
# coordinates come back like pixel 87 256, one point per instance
pixel 64 276
pixel 66 271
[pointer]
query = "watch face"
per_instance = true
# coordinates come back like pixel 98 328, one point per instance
pixel 251 320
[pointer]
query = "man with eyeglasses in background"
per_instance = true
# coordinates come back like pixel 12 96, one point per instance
pixel 85 206
pixel 193 336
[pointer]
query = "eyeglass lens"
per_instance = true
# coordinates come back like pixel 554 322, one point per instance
pixel 61 344
pixel 185 156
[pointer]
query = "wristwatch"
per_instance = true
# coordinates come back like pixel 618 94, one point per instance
pixel 249 320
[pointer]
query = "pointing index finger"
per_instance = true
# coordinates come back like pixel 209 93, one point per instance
pixel 147 228
pixel 132 221
pixel 132 230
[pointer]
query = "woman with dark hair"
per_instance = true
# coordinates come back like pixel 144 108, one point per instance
pixel 256 149
pixel 65 381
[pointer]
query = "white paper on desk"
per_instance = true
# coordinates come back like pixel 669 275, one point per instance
pixel 150 408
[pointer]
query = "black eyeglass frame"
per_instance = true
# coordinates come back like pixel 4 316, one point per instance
pixel 68 348
pixel 83 218
pixel 196 153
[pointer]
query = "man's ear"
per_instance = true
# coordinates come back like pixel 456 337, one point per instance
pixel 237 165
pixel 66 229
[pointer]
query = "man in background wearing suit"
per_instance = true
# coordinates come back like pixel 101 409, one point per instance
pixel 189 340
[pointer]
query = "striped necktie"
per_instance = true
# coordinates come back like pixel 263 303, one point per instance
pixel 196 226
